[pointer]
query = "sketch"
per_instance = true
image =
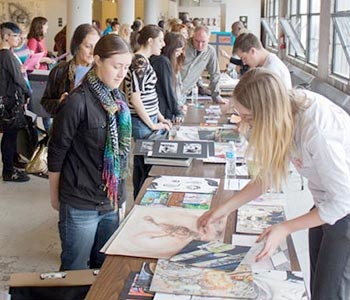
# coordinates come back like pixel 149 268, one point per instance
pixel 187 133
pixel 182 279
pixel 212 255
pixel 160 232
pixel 287 285
pixel 192 148
pixel 143 147
pixel 168 147
pixel 185 184
pixel 147 146
pixel 255 218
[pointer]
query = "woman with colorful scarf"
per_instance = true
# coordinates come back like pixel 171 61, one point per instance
pixel 88 157
pixel 67 75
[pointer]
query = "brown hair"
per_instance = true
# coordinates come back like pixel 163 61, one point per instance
pixel 36 28
pixel 174 41
pixel 109 45
pixel 246 41
pixel 149 31
pixel 80 34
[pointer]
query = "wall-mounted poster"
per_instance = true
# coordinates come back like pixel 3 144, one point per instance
pixel 244 20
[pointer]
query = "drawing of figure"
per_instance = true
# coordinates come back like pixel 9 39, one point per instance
pixel 176 231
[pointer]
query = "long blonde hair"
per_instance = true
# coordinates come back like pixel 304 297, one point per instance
pixel 272 133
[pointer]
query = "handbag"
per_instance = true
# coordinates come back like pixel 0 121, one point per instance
pixel 38 162
pixel 12 117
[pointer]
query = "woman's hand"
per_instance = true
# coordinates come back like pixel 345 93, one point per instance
pixel 273 236
pixel 63 97
pixel 211 216
pixel 167 122
pixel 47 60
pixel 159 126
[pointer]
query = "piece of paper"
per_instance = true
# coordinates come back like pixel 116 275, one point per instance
pixel 32 60
pixel 235 184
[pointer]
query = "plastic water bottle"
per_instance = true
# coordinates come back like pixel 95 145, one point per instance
pixel 194 96
pixel 231 157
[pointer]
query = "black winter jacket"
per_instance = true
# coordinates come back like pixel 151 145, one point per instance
pixel 76 151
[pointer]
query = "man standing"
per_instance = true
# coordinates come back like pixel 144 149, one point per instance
pixel 252 53
pixel 201 56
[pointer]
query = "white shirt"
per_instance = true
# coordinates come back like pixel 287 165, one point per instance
pixel 276 66
pixel 322 155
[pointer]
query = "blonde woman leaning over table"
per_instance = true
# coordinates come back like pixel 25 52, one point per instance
pixel 313 133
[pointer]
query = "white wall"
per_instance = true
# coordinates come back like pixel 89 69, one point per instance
pixel 250 8
pixel 204 12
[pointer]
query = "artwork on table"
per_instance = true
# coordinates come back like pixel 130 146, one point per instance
pixel 174 148
pixel 186 200
pixel 270 199
pixel 235 184
pixel 187 133
pixel 211 255
pixel 133 290
pixel 255 218
pixel 185 184
pixel 287 285
pixel 280 259
pixel 221 135
pixel 162 296
pixel 159 232
pixel 175 278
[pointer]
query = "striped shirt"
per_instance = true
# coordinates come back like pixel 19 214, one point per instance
pixel 142 78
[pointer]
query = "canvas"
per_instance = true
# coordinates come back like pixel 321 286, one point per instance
pixel 159 232
pixel 185 184
pixel 255 218
pixel 212 255
pixel 182 279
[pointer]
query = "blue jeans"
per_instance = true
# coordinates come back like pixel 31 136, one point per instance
pixel 83 233
pixel 140 172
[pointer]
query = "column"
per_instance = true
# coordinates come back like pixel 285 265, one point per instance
pixel 126 11
pixel 152 10
pixel 78 12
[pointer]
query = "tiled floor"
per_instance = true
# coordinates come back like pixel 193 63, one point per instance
pixel 29 240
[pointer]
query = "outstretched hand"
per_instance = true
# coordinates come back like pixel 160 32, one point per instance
pixel 273 236
pixel 211 216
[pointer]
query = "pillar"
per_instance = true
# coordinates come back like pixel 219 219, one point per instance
pixel 126 11
pixel 152 11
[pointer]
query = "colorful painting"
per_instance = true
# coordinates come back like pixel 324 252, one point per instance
pixel 183 279
pixel 159 232
pixel 255 218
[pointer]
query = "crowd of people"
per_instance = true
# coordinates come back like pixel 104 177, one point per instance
pixel 133 82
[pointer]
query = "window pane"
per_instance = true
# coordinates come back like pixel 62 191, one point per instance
pixel 340 64
pixel 276 8
pixel 303 6
pixel 293 7
pixel 315 6
pixel 342 5
pixel 303 32
pixel 314 39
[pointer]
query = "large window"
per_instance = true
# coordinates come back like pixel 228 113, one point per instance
pixel 341 39
pixel 270 23
pixel 304 17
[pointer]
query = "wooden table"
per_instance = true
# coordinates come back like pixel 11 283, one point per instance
pixel 115 269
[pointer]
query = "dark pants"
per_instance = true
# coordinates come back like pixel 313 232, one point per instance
pixel 8 148
pixel 140 172
pixel 329 249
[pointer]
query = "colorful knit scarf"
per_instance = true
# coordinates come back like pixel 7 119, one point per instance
pixel 117 147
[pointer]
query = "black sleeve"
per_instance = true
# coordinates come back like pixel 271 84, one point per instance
pixel 51 97
pixel 64 129
pixel 165 83
pixel 236 61
pixel 14 69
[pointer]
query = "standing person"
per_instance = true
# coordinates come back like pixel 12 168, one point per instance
pixel 180 28
pixel 88 157
pixel 136 27
pixel 314 133
pixel 36 43
pixel 250 50
pixel 201 56
pixel 142 96
pixel 36 40
pixel 67 75
pixel 13 88
pixel 115 27
pixel 167 67
pixel 61 41
pixel 125 32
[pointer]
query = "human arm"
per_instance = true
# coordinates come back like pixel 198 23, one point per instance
pixel 274 235
pixel 13 67
pixel 249 192
pixel 54 181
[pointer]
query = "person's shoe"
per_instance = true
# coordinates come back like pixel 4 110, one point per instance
pixel 204 91
pixel 18 162
pixel 15 176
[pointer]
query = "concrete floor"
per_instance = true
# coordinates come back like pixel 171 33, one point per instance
pixel 29 240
